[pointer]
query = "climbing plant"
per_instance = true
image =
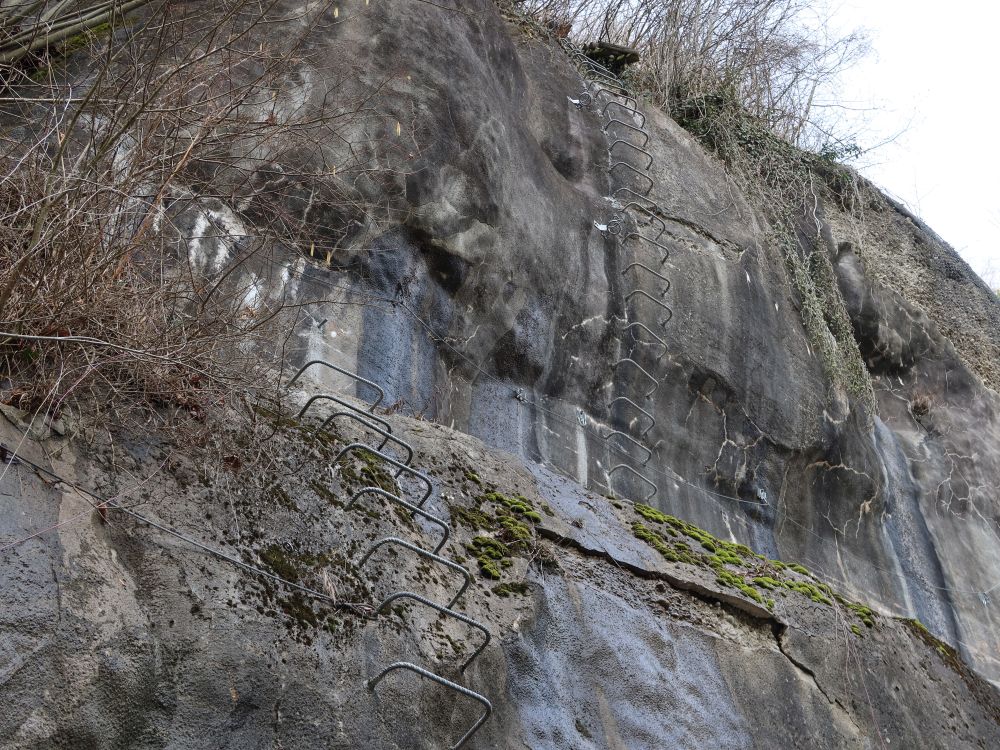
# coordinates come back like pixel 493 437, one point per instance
pixel 791 186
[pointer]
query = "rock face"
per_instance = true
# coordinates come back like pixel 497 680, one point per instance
pixel 121 635
pixel 495 306
pixel 490 302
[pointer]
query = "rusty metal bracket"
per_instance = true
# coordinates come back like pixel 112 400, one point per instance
pixel 445 611
pixel 605 113
pixel 616 121
pixel 655 301
pixel 325 427
pixel 647 213
pixel 597 76
pixel 625 96
pixel 386 437
pixel 406 504
pixel 638 199
pixel 602 69
pixel 347 405
pixel 373 683
pixel 644 238
pixel 597 71
pixel 423 553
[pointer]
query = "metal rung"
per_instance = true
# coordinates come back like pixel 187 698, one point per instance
pixel 624 96
pixel 386 437
pixel 664 248
pixel 636 443
pixel 647 329
pixel 604 82
pixel 615 120
pixel 647 213
pixel 325 427
pixel 372 683
pixel 595 67
pixel 606 70
pixel 643 175
pixel 348 373
pixel 639 199
pixel 403 467
pixel 598 71
pixel 445 611
pixel 604 112
pixel 627 400
pixel 655 301
pixel 346 405
pixel 592 63
pixel 656 383
pixel 636 473
pixel 661 277
pixel 409 506
pixel 633 146
pixel 424 553
pixel 585 59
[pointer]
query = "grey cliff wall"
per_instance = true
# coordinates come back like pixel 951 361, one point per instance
pixel 119 635
pixel 483 298
pixel 494 305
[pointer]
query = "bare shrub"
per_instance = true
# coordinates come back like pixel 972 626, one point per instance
pixel 31 27
pixel 769 58
pixel 143 204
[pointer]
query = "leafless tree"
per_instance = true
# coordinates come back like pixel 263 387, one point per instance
pixel 149 190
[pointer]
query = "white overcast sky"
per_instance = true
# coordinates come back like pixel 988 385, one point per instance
pixel 932 73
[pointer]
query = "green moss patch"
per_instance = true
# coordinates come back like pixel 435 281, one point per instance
pixel 473 519
pixel 729 553
pixel 865 614
pixel 945 651
pixel 672 551
pixel 490 553
pixel 736 565
pixel 514 529
pixel 511 589
pixel 509 522
pixel 518 505
pixel 280 562
pixel 732 580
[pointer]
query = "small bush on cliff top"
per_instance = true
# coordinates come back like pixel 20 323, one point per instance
pixel 768 58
